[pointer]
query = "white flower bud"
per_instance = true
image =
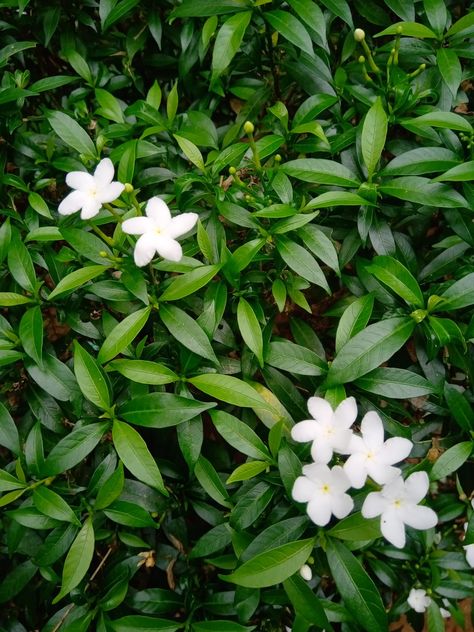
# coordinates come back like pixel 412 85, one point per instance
pixel 306 572
pixel 359 35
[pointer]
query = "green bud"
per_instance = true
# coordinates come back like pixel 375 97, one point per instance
pixel 399 30
pixel 232 171
pixel 128 187
pixel 102 253
pixel 277 158
pixel 249 127
pixel 419 315
pixel 361 59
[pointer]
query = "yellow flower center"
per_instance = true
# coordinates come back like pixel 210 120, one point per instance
pixel 325 489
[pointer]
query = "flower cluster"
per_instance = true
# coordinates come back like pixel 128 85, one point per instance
pixel 158 230
pixel 324 488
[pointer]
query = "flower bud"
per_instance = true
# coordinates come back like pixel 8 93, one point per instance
pixel 277 158
pixel 249 127
pixel 128 187
pixel 232 171
pixel 399 30
pixel 102 253
pixel 361 59
pixel 359 35
pixel 306 572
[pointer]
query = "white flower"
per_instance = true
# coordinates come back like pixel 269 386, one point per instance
pixel 158 232
pixel 328 430
pixel 91 191
pixel 418 599
pixel 397 503
pixel 306 572
pixel 370 456
pixel 469 550
pixel 443 611
pixel 323 489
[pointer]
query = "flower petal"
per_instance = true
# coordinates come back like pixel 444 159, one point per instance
pixel 339 479
pixel 321 452
pixel 110 192
pixel 303 489
pixel 372 430
pixel 381 473
pixel 145 249
pixel 374 505
pixel 317 472
pixel 137 225
pixel 182 224
pixel 319 510
pixel 80 180
pixel 416 486
pixel 168 248
pixel 346 413
pixel 90 208
pixel 355 470
pixel 419 517
pixel 304 431
pixel 158 211
pixel 393 528
pixel 469 550
pixel 342 505
pixel 320 409
pixel 394 450
pixel 72 203
pixel 104 173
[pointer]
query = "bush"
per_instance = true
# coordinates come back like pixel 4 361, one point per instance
pixel 219 215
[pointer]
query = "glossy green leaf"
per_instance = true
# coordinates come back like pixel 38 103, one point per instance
pixel 187 331
pixel 228 389
pixel 73 448
pixel 132 623
pixel 450 68
pixel 408 29
pixel 290 28
pixel 451 460
pixel 320 171
pixel 9 437
pixel 143 371
pixel 161 410
pixel 76 279
pixel 78 560
pixel 123 334
pixel 374 134
pixel 72 133
pixel 135 455
pixel 358 591
pixel 91 378
pixel 250 329
pixel 301 262
pixel 395 383
pixel 52 505
pixel 272 567
pixel 398 278
pixel 239 435
pixel 210 481
pixel 189 282
pixel 369 348
pixel 305 602
pixel 228 41
pixel 460 294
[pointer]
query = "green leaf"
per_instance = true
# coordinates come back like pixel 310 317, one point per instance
pixel 16 580
pixel 191 152
pixel 294 358
pixel 9 437
pixel 320 245
pixel 72 134
pixel 21 265
pixel 250 329
pixel 251 505
pixel 420 161
pixel 144 371
pixel 301 262
pixel 132 623
pixel 78 560
pixel 320 171
pixel 123 334
pixel 10 299
pixel 210 481
pixel 446 120
pixel 73 448
pixel 187 331
pixel 398 278
pixel 247 471
pixel 161 410
pixel 91 378
pixel 451 460
pixel 374 133
pixel 369 348
pixel 358 591
pixel 109 106
pixel 313 18
pixel 120 10
pixel 305 602
pixel 111 489
pixel 291 28
pixel 272 567
pixel 229 389
pixel 136 457
pixel 460 294
pixel 423 191
pixel 436 622
pixel 408 29
pixel 76 279
pixel 228 41
pixel 129 514
pixel 12 49
pixel 30 332
pixel 335 198
pixel 356 527
pixel 239 435
pixel 189 282
pixel 87 244
pixel 5 239
pixel 395 383
pixel 459 173
pixel 220 626
pixel 341 9
pixel 459 407
pixel 354 319
pixel 450 69
pixel 463 23
pixel 52 505
pixel 436 13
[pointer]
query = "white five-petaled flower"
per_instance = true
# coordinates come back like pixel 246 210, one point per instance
pixel 418 599
pixel 91 191
pixel 328 430
pixel 371 456
pixel 324 491
pixel 397 504
pixel 158 232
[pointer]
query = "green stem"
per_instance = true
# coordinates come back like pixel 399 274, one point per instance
pixel 113 212
pixel 108 240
